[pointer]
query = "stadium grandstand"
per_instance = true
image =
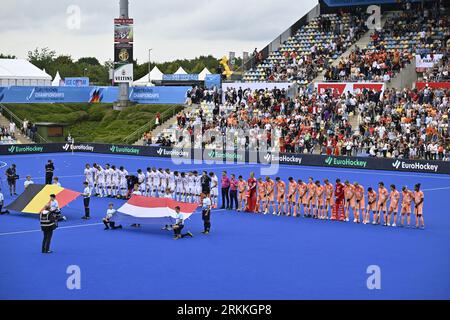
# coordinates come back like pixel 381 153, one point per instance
pixel 302 171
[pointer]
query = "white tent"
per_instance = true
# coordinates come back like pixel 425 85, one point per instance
pixel 20 72
pixel 180 71
pixel 155 75
pixel 57 81
pixel 202 75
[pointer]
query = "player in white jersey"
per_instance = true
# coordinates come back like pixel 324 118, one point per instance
pixel 197 187
pixel 141 181
pixel 100 182
pixel 156 181
pixel 178 186
pixel 214 189
pixel 163 185
pixel 88 176
pixel 115 181
pixel 94 178
pixel 190 187
pixel 149 182
pixel 123 182
pixel 171 182
pixel 184 181
pixel 108 180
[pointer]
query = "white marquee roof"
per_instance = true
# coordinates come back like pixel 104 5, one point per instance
pixel 21 69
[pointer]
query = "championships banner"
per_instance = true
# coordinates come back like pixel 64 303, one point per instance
pixel 186 156
pixel 146 95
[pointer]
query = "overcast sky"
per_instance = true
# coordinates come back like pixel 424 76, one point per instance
pixel 173 28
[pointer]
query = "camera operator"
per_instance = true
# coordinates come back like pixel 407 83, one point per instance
pixel 12 177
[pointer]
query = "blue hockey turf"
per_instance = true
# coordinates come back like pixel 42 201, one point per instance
pixel 245 257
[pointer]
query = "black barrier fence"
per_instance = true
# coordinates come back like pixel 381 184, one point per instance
pixel 185 156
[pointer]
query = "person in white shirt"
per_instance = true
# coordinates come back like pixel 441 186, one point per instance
pixel 206 213
pixel 190 187
pixel 108 219
pixel 149 181
pixel 123 182
pixel 136 192
pixel 179 225
pixel 178 186
pixel 171 183
pixel 214 189
pixel 12 128
pixel 2 202
pixel 163 186
pixel 86 200
pixel 108 182
pixel 197 186
pixel 115 181
pixel 184 187
pixel 56 182
pixel 54 208
pixel 88 175
pixel 101 182
pixel 27 182
pixel 141 181
pixel 156 182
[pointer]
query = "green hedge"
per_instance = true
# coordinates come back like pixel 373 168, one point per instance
pixel 96 122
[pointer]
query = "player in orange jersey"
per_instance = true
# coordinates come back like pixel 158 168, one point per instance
pixel 383 195
pixel 329 200
pixel 349 192
pixel 302 197
pixel 281 196
pixel 418 206
pixel 242 193
pixel 270 195
pixel 262 196
pixel 394 198
pixel 371 205
pixel 311 206
pixel 292 195
pixel 407 199
pixel 360 202
pixel 320 200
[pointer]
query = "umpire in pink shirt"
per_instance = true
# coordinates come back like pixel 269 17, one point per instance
pixel 225 184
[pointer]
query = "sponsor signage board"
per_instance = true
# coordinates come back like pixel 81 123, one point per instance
pixel 359 163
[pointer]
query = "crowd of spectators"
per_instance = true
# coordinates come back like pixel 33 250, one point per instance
pixel 29 129
pixel 393 47
pixel 311 50
pixel 407 124
pixel 439 73
pixel 8 134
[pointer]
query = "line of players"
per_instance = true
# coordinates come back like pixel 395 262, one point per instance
pixel 317 200
pixel 111 181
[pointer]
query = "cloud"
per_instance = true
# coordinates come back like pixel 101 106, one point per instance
pixel 173 28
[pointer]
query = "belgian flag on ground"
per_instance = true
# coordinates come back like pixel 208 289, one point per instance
pixel 37 196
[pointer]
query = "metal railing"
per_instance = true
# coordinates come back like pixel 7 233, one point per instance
pixel 19 123
pixel 165 116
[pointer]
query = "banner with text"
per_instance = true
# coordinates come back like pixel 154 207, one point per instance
pixel 369 163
